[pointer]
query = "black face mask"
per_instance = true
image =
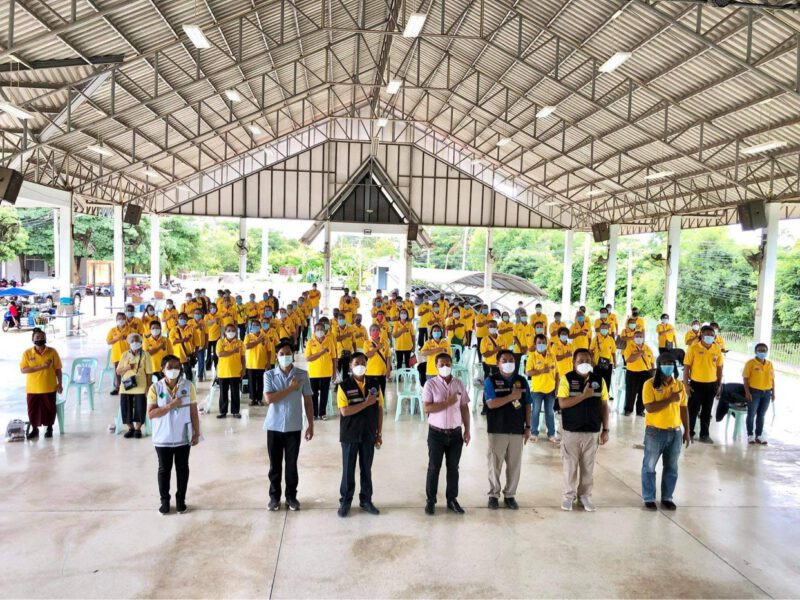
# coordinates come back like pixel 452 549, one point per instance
pixel 40 343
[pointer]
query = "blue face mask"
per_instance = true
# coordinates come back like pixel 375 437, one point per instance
pixel 238 301
pixel 181 322
pixel 581 318
pixel 631 326
pixel 268 313
pixel 708 339
pixel 604 332
pixel 541 347
pixel 667 370
pixel 341 322
pixel 437 335
pixel 564 339
pixel 265 326
pixel 377 304
pixel 485 311
pixel 761 355
pixel 265 296
pixel 198 317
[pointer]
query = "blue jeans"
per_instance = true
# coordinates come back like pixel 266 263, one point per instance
pixel 658 443
pixel 201 363
pixel 549 401
pixel 757 409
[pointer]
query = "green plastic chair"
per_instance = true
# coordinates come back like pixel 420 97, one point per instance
pixel 61 400
pixel 522 362
pixel 109 368
pixel 80 363
pixel 739 416
pixel 408 388
pixel 457 352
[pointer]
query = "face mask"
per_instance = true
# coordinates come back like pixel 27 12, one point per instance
pixel 136 346
pixel 667 370
pixel 120 323
pixel 267 313
pixel 538 310
pixel 638 340
pixel 445 371
pixel 631 326
pixel 265 326
pixel 359 370
pixel 255 328
pixel 581 319
pixel 417 301
pixel 435 309
pixel 437 335
pixel 541 348
pixel 172 374
pixel 265 296
pixel 230 334
pixel 213 311
pixel 557 318
pixel 539 330
pixel 380 318
pixel 505 318
pixel 603 315
pixel 377 304
pixel 484 311
pixel 584 368
pixel 695 327
pixel 664 321
pixel 761 355
pixel 41 343
pixel 198 317
pixel 238 301
pixel 404 316
pixel 283 315
pixel 708 339
pixel 341 322
pixel 604 332
pixel 507 368
pixel 252 298
pixel 493 330
pixel 456 315
pixel 181 322
pixel 375 334
pixel 155 332
pixel 319 334
pixel 188 298
pixel 285 360
pixel 564 339
pixel 327 327
pixel 150 311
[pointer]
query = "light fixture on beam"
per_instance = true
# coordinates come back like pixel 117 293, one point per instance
pixel 382 123
pixel 414 25
pixel 591 193
pixel 233 95
pixel 613 63
pixel 151 172
pixel 545 112
pixel 503 141
pixel 765 147
pixel 394 86
pixel 196 36
pixel 255 130
pixel 659 175
pixel 15 111
pixel 100 149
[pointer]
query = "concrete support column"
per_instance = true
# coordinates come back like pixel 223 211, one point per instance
pixel 64 250
pixel 611 265
pixel 409 258
pixel 566 281
pixel 242 253
pixel 587 255
pixel 119 259
pixel 265 270
pixel 326 253
pixel 56 265
pixel 488 265
pixel 765 301
pixel 155 252
pixel 673 256
pixel 629 288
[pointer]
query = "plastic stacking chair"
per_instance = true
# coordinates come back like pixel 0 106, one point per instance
pixel 109 368
pixel 408 388
pixel 619 375
pixel 147 429
pixel 457 352
pixel 467 356
pixel 522 360
pixel 739 415
pixel 78 382
pixel 61 400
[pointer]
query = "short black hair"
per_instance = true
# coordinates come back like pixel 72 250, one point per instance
pixel 506 351
pixel 761 345
pixel 443 355
pixel 356 355
pixel 540 336
pixel 37 330
pixel 283 344
pixel 707 328
pixel 563 330
pixel 169 358
pixel 581 351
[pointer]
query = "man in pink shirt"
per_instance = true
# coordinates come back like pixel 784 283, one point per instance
pixel 445 401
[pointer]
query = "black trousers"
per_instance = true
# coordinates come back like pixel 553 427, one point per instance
pixel 634 382
pixel 422 369
pixel 304 333
pixel 402 358
pixel 479 340
pixel 283 446
pixel 229 387
pixel 605 373
pixel 133 408
pixel 364 452
pixel 166 456
pixel 343 365
pixel 320 388
pixel 255 379
pixel 700 403
pixel 445 446
pixel 468 339
pixel 242 331
pixel 211 355
pixel 376 381
pixel 187 369
pixel 422 336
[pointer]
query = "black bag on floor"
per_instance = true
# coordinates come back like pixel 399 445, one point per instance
pixel 731 396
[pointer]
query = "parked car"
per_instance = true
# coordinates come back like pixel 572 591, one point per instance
pixel 47 291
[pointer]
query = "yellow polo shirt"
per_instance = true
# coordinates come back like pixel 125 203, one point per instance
pixel 45 381
pixel 322 366
pixel 443 345
pixel 481 325
pixel 489 343
pixel 666 333
pixel 405 341
pixel 759 376
pixel 341 398
pixel 584 340
pixel 644 363
pixel 230 366
pixel 256 357
pixel 182 349
pixel 117 348
pixel 546 382
pixel 212 325
pixel 670 417
pixel 559 348
pixel 603 346
pixel 157 349
pixel 554 327
pixel 170 317
pixel 314 296
pixel 703 362
pixel 377 363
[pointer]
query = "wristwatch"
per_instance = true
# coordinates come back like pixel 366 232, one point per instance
pixel 527 426
pixel 606 430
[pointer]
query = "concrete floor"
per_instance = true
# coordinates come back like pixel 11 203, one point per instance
pixel 78 516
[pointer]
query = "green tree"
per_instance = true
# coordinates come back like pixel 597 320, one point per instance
pixel 13 237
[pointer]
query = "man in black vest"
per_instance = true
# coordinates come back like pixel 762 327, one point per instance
pixel 583 397
pixel 359 433
pixel 508 417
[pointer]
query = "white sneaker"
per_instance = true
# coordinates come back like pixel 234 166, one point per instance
pixel 534 438
pixel 554 439
pixel 751 439
pixel 566 505
pixel 587 503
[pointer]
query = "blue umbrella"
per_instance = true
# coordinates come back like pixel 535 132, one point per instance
pixel 15 292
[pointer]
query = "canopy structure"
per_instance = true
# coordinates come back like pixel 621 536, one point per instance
pixel 15 291
pixel 501 282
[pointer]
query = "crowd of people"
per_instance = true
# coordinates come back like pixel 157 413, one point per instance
pixel 531 367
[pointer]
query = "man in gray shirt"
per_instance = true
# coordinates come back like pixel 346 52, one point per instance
pixel 287 391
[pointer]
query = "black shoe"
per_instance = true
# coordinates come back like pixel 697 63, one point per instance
pixel 128 434
pixel 430 508
pixel 164 509
pixel 344 508
pixel 293 504
pixel 222 416
pixel 494 504
pixel 639 414
pixel 34 434
pixel 650 506
pixel 628 413
pixel 115 392
pixel 370 508
pixel 137 434
pixel 512 504
pixel 253 403
pixel 704 439
pixel 668 504
pixel 454 506
pixel 274 504
pixel 49 432
pixel 180 506
pixel 237 416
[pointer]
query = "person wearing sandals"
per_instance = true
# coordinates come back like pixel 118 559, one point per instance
pixel 172 408
pixel 759 389
pixel 42 365
pixel 135 370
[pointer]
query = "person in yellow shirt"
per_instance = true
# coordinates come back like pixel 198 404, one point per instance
pixel 347 308
pixel 666 335
pixel 379 365
pixel 189 304
pixel 200 341
pixel 41 366
pixel 271 341
pixel 505 329
pixel 383 323
pixel 169 317
pixel 613 321
pixel 148 316
pixel 424 310
pixel 117 338
pixel 403 335
pixel 434 346
pixel 359 331
pixel 134 323
pixel 136 371
pixel 556 325
pixel 604 353
pixel 314 295
pixel 639 320
pixel 538 317
pixel 227 314
pixel 286 326
pixel 702 376
pixel 759 389
pixel 562 349
pixel 718 338
pixel 693 335
pixel 491 346
pixel 393 312
pixel 213 326
pixel 444 305
pixel 343 334
pixel 255 361
pixel 455 327
pixel 230 369
pixel 639 364
pixel 240 310
pixel 157 346
pixel 252 308
pixel 626 335
pixel 540 367
pixel 520 335
pixel 408 304
pixel 304 316
pixel 603 320
pixel 665 402
pixel 320 353
pixel 468 314
pixel 581 332
pixel 182 338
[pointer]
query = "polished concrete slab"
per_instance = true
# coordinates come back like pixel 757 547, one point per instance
pixel 78 515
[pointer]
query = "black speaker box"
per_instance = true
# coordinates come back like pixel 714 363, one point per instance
pixel 10 184
pixel 752 215
pixel 601 232
pixel 133 214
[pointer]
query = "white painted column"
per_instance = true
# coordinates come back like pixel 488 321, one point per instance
pixel 64 248
pixel 629 289
pixel 611 265
pixel 326 254
pixel 265 271
pixel 587 255
pixel 765 301
pixel 119 260
pixel 566 281
pixel 56 265
pixel 242 255
pixel 673 256
pixel 155 252
pixel 409 258
pixel 488 265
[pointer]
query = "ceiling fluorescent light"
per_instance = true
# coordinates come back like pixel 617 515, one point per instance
pixel 255 130
pixel 233 95
pixel 660 175
pixel 503 141
pixel 765 147
pixel 100 149
pixel 613 63
pixel 414 25
pixel 382 123
pixel 151 173
pixel 15 111
pixel 545 112
pixel 393 86
pixel 595 192
pixel 196 36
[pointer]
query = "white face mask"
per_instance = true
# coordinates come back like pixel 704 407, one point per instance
pixel 638 340
pixel 508 368
pixel 230 334
pixel 285 360
pixel 584 368
pixel 135 346
pixel 695 327
pixel 319 334
pixel 156 332
pixel 172 374
pixel 120 323
pixel 359 370
pixel 493 330
pixel 445 371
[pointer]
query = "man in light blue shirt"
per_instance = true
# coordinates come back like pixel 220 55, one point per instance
pixel 287 391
